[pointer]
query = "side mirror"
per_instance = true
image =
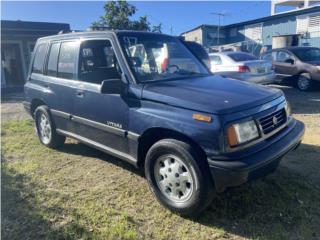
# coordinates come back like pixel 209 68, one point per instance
pixel 111 86
pixel 289 60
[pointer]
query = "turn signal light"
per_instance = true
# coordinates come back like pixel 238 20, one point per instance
pixel 202 118
pixel 232 136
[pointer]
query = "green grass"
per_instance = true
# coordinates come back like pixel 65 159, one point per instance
pixel 81 193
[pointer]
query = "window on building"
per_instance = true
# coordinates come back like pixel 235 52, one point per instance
pixel 314 25
pixel 53 60
pixel 39 58
pixel 97 62
pixel 67 60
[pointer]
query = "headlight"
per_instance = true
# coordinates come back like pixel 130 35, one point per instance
pixel 242 132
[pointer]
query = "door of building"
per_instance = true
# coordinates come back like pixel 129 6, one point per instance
pixel 11 62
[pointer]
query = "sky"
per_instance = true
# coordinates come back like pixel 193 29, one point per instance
pixel 180 15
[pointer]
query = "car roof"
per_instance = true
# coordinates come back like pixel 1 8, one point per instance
pixel 86 34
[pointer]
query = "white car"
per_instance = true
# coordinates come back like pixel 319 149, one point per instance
pixel 242 66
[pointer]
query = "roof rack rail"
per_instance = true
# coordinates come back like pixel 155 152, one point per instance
pixel 98 28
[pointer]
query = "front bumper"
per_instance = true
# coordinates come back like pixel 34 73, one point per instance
pixel 233 173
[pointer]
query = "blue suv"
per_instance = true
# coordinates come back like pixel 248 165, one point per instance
pixel 145 98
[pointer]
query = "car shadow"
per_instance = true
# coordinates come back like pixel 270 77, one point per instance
pixel 78 148
pixel 278 205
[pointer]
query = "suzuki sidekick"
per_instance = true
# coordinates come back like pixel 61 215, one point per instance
pixel 145 98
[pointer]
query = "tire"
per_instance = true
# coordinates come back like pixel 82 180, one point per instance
pixel 174 162
pixel 304 82
pixel 46 129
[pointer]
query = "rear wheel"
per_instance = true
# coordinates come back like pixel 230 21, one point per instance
pixel 45 128
pixel 304 82
pixel 179 177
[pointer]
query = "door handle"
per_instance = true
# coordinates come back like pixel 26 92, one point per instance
pixel 80 93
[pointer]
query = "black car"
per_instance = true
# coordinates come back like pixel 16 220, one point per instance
pixel 301 65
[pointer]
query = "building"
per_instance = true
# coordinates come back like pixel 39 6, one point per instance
pixel 291 28
pixel 291 4
pixel 17 42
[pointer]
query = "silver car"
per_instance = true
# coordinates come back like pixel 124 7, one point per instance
pixel 242 66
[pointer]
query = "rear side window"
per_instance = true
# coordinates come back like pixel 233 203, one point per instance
pixel 240 57
pixel 215 60
pixel 39 58
pixel 53 60
pixel 67 60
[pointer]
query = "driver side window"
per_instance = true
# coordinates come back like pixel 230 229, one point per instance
pixel 283 56
pixel 98 62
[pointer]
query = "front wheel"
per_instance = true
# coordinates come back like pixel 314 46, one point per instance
pixel 178 176
pixel 304 82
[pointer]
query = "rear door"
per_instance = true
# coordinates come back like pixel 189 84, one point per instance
pixel 61 81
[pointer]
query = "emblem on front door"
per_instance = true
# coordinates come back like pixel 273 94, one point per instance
pixel 115 125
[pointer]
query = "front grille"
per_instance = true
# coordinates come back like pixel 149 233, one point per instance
pixel 273 121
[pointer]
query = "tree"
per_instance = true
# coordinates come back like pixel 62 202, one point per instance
pixel 117 16
pixel 157 28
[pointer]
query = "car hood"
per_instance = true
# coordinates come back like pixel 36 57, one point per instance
pixel 213 94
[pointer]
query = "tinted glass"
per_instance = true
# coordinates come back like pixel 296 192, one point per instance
pixel 39 59
pixel 307 54
pixel 53 59
pixel 67 60
pixel 240 57
pixel 154 57
pixel 97 61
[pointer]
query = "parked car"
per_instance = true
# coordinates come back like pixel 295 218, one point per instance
pixel 199 51
pixel 242 66
pixel 193 133
pixel 300 64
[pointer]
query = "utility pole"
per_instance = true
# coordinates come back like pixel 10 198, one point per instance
pixel 219 14
pixel 171 30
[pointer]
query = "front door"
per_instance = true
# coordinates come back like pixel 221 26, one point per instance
pixel 284 64
pixel 101 118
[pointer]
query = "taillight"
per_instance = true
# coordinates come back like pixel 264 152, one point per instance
pixel 243 69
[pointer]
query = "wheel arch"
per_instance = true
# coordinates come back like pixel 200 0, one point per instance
pixel 153 135
pixel 36 102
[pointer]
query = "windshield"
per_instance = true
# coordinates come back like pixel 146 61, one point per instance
pixel 307 54
pixel 241 57
pixel 159 57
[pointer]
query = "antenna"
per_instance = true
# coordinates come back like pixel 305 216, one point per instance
pixel 219 14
